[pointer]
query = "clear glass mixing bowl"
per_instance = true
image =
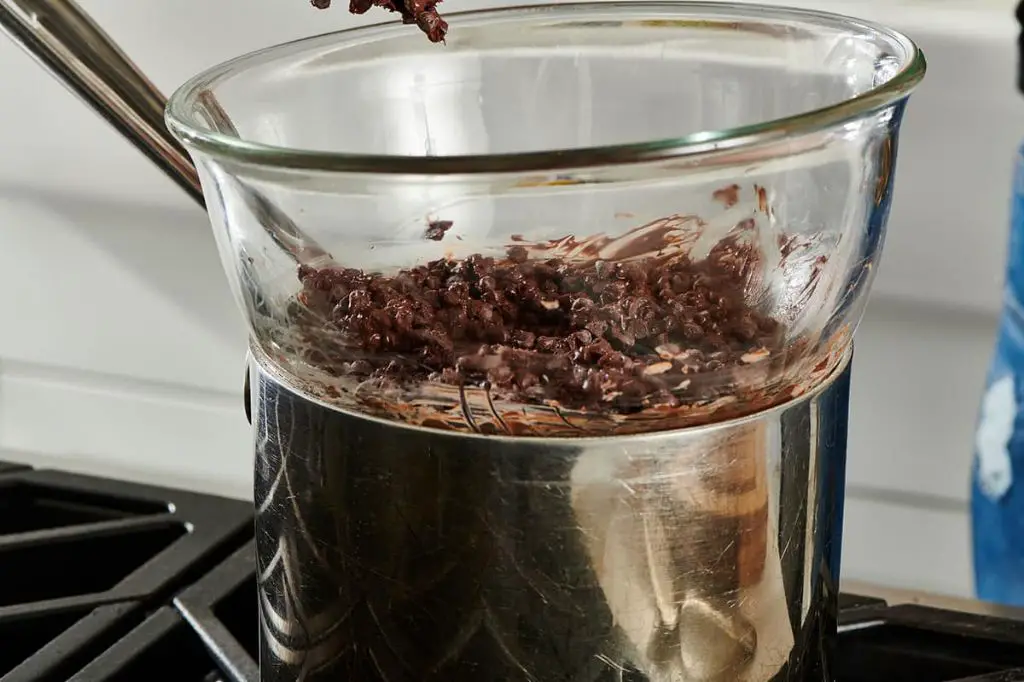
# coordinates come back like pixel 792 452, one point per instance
pixel 570 219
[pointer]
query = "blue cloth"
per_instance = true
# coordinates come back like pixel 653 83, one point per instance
pixel 997 495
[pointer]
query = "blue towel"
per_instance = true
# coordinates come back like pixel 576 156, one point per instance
pixel 997 489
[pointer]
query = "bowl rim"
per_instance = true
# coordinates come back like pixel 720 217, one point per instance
pixel 691 148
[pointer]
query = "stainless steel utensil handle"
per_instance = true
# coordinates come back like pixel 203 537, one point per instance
pixel 79 53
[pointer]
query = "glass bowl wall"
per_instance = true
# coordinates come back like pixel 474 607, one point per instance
pixel 713 179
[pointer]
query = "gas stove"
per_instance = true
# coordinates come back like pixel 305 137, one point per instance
pixel 106 581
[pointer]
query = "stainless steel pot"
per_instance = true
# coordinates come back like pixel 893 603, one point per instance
pixel 389 552
pixel 394 553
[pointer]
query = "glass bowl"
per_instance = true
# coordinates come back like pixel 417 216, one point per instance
pixel 568 220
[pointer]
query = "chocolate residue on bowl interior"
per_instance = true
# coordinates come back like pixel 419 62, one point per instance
pixel 423 13
pixel 728 195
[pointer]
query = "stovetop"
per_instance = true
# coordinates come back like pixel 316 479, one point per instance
pixel 105 581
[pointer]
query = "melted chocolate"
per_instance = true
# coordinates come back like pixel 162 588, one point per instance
pixel 590 334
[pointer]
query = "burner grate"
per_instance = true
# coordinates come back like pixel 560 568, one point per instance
pixel 214 634
pixel 209 636
pixel 99 624
pixel 913 643
pixel 7 467
pixel 83 558
pixel 161 649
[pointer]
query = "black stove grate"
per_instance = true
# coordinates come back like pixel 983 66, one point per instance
pixel 912 643
pixel 211 636
pixel 82 559
pixel 7 467
pixel 124 623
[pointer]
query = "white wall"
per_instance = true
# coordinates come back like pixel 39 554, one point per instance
pixel 121 352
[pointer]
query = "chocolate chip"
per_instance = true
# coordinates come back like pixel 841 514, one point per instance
pixel 518 254
pixel 586 334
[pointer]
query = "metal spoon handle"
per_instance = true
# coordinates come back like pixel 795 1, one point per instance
pixel 79 53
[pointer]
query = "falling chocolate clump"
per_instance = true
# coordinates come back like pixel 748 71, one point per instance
pixel 583 334
pixel 423 13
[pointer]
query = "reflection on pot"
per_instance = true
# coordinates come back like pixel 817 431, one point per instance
pixel 390 552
